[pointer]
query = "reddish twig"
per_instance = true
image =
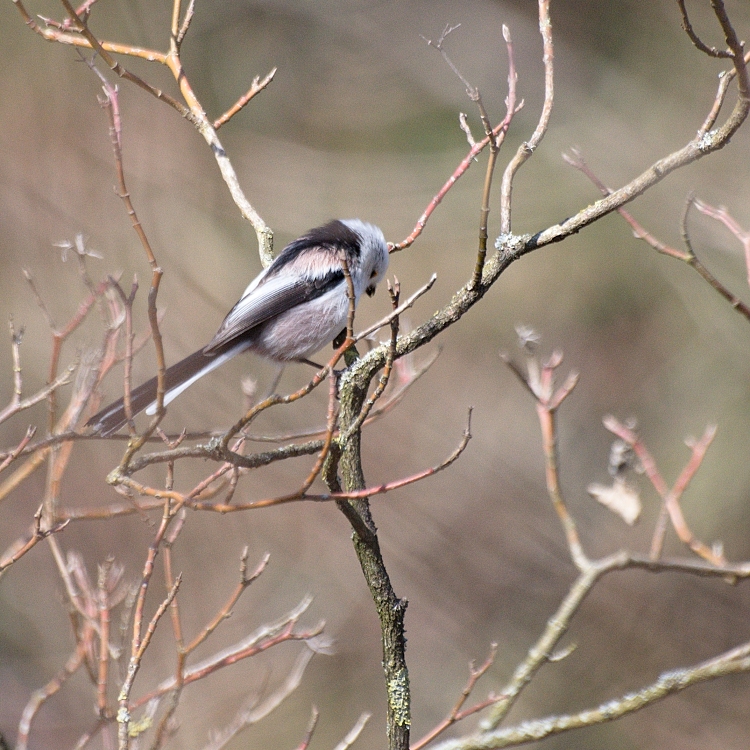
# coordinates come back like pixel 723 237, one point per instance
pixel 180 499
pixel 60 335
pixel 85 385
pixel 722 215
pixel 148 569
pixel 575 160
pixel 327 441
pixel 165 722
pixel 353 495
pixel 540 382
pixel 12 455
pixel 85 654
pixel 394 291
pixel 21 547
pixel 111 104
pixel 310 730
pixel 252 714
pixel 123 713
pixel 127 301
pixel 475 150
pixel 18 404
pixel 257 86
pixel 226 611
pixel 39 697
pixel 671 498
pixel 456 714
pixel 493 138
pixel 263 639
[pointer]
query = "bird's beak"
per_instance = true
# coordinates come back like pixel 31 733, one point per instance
pixel 370 290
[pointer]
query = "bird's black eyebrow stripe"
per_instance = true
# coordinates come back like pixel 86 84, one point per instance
pixel 332 237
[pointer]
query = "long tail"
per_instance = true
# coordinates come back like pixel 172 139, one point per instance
pixel 143 398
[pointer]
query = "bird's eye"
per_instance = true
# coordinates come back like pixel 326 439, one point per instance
pixel 373 274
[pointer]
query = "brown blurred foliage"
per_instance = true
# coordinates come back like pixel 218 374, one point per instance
pixel 361 120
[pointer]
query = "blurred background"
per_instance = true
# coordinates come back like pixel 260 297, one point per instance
pixel 362 120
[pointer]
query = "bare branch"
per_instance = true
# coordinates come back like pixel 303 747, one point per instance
pixel 337 496
pixel 710 51
pixel 526 149
pixel 246 717
pixel 255 89
pixel 484 213
pixel 457 714
pixel 721 214
pixel 576 160
pixel 668 683
pixel 265 637
pixel 354 732
pixel 39 697
pixel 671 497
pixel 310 730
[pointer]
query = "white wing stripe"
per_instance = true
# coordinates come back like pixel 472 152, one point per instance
pixel 172 394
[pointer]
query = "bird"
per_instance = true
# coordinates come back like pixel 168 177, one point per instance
pixel 289 311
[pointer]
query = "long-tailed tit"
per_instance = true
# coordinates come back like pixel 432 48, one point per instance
pixel 290 310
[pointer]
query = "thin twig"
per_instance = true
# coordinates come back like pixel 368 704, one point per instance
pixel 525 150
pixel 55 34
pixel 185 23
pixel 457 714
pixel 257 86
pixel 688 256
pixel 193 112
pixel 123 699
pixel 484 213
pixel 264 638
pixel 226 610
pixel 695 39
pixel 104 644
pixel 671 498
pixel 247 717
pixel 39 697
pixel 354 732
pixel 310 730
pixel 393 291
pixel 12 455
pixel 703 144
pixel 723 216
pixel 668 683
pixel 17 404
pixel 725 78
pixel 350 495
pixel 540 382
pixel 21 546
pixel 115 66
